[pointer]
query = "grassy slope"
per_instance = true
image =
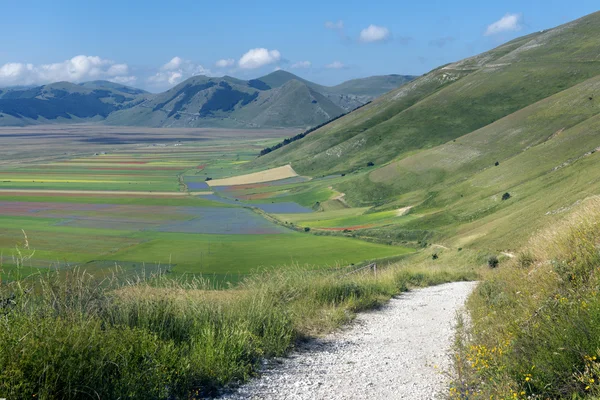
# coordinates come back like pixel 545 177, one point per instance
pixel 535 320
pixel 530 105
pixel 451 101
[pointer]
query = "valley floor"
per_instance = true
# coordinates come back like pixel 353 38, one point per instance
pixel 399 352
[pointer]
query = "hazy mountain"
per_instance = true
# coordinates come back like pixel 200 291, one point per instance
pixel 279 99
pixel 230 102
pixel 65 102
pixel 349 94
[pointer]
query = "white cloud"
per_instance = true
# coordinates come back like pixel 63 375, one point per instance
pixel 118 70
pixel 256 58
pixel 374 33
pixel 508 23
pixel 77 69
pixel 176 71
pixel 335 65
pixel 301 64
pixel 335 26
pixel 174 64
pixel 224 63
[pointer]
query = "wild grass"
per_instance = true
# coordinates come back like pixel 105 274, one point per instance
pixel 71 336
pixel 535 320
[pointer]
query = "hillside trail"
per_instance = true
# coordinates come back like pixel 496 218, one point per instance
pixel 401 351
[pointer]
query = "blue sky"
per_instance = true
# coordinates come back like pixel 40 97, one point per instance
pixel 155 45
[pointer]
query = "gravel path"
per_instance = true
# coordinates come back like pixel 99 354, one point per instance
pixel 398 352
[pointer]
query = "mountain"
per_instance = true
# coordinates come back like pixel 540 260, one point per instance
pixel 279 99
pixel 230 102
pixel 348 95
pixel 65 102
pixel 112 85
pixel 522 119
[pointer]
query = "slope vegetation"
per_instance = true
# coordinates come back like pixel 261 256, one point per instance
pixel 478 147
pixel 452 101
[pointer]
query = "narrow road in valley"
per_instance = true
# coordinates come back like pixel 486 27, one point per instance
pixel 401 351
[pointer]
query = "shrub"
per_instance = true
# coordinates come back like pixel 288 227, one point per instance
pixel 525 259
pixel 492 261
pixel 370 164
pixel 506 196
pixel 306 229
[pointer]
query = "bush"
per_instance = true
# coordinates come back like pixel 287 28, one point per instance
pixel 492 261
pixel 306 229
pixel 506 196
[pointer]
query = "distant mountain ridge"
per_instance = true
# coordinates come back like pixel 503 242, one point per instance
pixel 65 102
pixel 279 99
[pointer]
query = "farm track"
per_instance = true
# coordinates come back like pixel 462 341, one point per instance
pixel 399 352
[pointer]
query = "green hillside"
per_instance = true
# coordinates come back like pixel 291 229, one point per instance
pixel 520 119
pixel 452 101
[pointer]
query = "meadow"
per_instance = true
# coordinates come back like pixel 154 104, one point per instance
pixel 163 199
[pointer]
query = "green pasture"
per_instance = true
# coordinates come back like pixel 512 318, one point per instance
pixel 222 255
pixel 243 254
pixel 346 218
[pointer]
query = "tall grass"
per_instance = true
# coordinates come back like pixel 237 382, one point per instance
pixel 535 321
pixel 66 335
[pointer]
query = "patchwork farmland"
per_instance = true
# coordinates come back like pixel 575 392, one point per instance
pixel 176 199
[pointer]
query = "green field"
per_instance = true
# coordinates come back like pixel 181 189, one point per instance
pixel 135 207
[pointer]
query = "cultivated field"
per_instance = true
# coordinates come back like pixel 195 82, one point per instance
pixel 139 199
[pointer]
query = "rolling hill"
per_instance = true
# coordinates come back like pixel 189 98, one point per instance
pixel 279 99
pixel 522 119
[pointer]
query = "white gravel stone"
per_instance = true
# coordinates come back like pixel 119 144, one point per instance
pixel 401 351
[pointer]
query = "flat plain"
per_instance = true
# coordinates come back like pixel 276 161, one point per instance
pixel 139 199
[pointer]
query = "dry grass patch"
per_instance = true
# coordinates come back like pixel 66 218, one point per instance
pixel 273 174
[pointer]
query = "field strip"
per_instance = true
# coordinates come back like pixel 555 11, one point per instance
pixel 273 174
pixel 99 192
pixel 399 352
